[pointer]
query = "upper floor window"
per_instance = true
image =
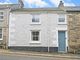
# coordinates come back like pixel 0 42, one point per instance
pixel 1 15
pixel 61 18
pixel 35 18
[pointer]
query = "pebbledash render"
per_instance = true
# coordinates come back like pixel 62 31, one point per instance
pixel 40 29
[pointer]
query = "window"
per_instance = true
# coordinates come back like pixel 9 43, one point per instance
pixel 35 18
pixel 1 16
pixel 35 35
pixel 0 33
pixel 61 18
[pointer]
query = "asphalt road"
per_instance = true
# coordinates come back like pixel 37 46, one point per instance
pixel 23 57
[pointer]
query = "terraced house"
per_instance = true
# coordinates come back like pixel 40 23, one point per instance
pixel 38 29
pixel 4 23
pixel 41 29
pixel 4 16
pixel 74 29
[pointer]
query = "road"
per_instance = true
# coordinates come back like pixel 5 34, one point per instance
pixel 23 57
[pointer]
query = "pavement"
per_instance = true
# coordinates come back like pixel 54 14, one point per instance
pixel 43 54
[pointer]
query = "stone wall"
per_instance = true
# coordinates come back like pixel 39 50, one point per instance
pixel 74 32
pixel 5 29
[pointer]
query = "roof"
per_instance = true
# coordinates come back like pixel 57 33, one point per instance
pixel 15 8
pixel 72 8
pixel 6 5
pixel 66 8
pixel 36 9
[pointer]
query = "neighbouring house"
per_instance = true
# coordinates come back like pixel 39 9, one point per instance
pixel 4 22
pixel 74 28
pixel 38 29
pixel 4 27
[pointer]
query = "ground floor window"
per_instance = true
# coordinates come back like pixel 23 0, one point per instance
pixel 35 35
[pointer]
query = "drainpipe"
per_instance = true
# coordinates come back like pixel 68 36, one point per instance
pixel 48 33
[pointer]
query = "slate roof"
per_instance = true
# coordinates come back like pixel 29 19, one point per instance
pixel 72 8
pixel 7 5
pixel 33 9
pixel 66 8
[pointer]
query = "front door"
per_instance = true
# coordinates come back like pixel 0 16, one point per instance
pixel 61 41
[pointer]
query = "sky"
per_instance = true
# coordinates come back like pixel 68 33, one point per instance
pixel 42 3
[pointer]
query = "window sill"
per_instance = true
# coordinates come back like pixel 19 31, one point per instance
pixel 62 23
pixel 35 23
pixel 35 42
pixel 1 20
pixel 1 39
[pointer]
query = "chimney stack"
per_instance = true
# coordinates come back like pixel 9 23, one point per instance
pixel 21 4
pixel 61 5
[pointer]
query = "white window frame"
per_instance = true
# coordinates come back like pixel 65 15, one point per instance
pixel 35 35
pixel 36 16
pixel 63 16
pixel 2 34
pixel 31 41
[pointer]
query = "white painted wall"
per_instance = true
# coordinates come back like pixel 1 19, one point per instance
pixel 20 27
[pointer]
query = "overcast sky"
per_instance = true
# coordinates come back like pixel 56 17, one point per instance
pixel 42 3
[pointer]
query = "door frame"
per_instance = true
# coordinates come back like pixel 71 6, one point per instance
pixel 65 42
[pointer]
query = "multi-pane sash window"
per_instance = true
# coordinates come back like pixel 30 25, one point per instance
pixel 1 15
pixel 0 33
pixel 35 18
pixel 35 35
pixel 61 18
